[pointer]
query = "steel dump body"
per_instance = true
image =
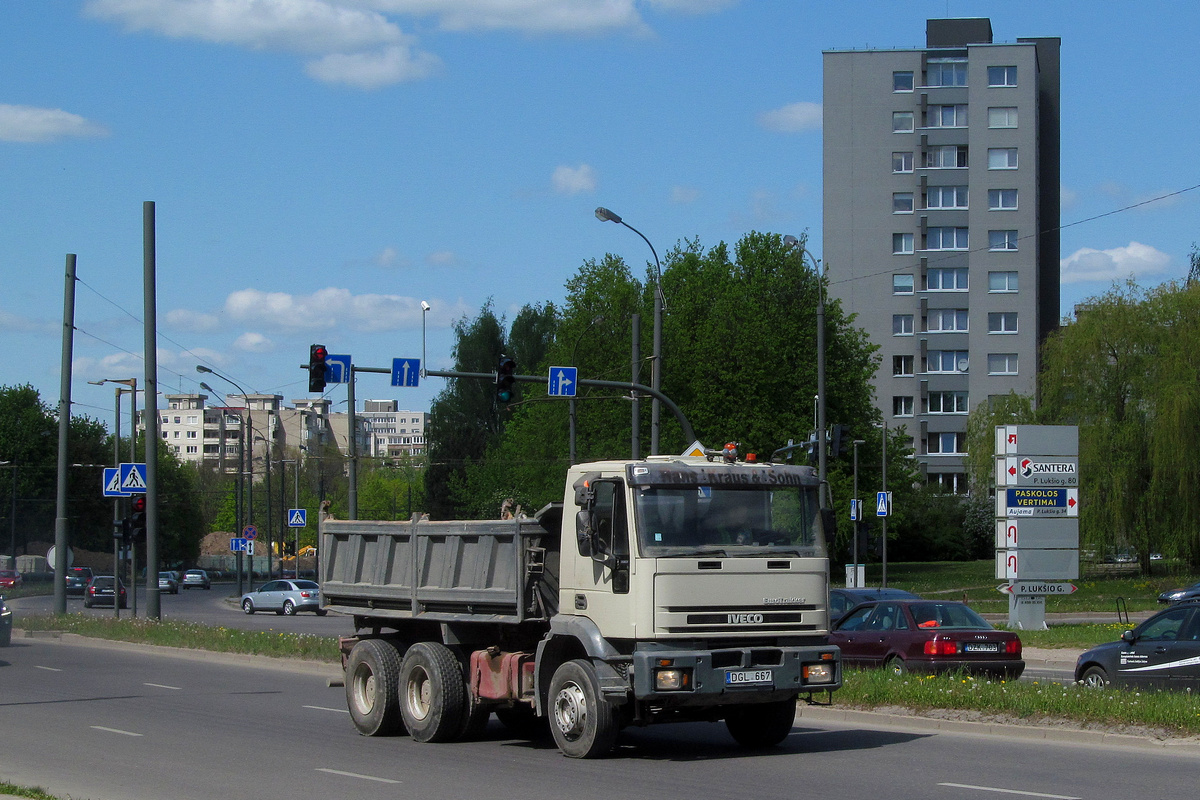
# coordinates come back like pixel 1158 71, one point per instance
pixel 477 571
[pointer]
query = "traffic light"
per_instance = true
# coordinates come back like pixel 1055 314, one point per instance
pixel 836 437
pixel 505 379
pixel 137 520
pixel 316 367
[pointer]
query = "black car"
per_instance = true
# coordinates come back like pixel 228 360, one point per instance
pixel 842 600
pixel 100 592
pixel 1178 595
pixel 1161 653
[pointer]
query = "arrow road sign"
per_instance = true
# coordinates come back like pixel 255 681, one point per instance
pixel 406 371
pixel 562 381
pixel 238 545
pixel 297 518
pixel 337 368
pixel 112 483
pixel 133 478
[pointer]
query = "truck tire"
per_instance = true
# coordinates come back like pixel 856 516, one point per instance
pixel 761 724
pixel 431 693
pixel 373 687
pixel 583 723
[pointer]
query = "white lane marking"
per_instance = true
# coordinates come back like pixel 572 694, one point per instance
pixel 48 669
pixel 1011 791
pixel 355 775
pixel 323 708
pixel 163 686
pixel 114 730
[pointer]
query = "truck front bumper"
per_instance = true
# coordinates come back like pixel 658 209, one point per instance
pixel 687 676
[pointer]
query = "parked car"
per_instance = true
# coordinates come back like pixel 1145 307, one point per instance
pixel 99 592
pixel 167 582
pixel 5 623
pixel 842 600
pixel 1161 653
pixel 10 579
pixel 284 597
pixel 926 636
pixel 198 578
pixel 1179 595
pixel 77 579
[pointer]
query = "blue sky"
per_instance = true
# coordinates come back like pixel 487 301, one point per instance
pixel 320 167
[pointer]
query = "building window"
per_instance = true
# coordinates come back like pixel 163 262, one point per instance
pixel 946 72
pixel 193 419
pixel 947 444
pixel 954 116
pixel 177 420
pixel 192 449
pixel 903 122
pixel 902 324
pixel 1002 281
pixel 1002 117
pixel 902 366
pixel 902 406
pixel 192 435
pixel 947 279
pixel 902 244
pixel 947 403
pixel 946 197
pixel 946 361
pixel 1002 322
pixel 951 156
pixel 947 320
pixel 902 162
pixel 1002 363
pixel 946 239
pixel 902 81
pixel 950 482
pixel 902 284
pixel 1002 199
pixel 1002 76
pixel 1002 158
pixel 1002 240
pixel 902 202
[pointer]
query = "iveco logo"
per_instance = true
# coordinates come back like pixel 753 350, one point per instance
pixel 745 619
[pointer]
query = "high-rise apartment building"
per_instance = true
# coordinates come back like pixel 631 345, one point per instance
pixel 941 215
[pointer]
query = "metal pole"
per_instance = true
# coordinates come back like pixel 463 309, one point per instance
pixel 883 543
pixel 656 364
pixel 270 522
pixel 636 424
pixel 13 519
pixel 352 446
pixel 239 503
pixel 117 540
pixel 61 538
pixel 250 497
pixel 858 511
pixel 296 501
pixel 821 454
pixel 153 608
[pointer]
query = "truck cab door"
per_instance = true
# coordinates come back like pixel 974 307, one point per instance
pixel 603 593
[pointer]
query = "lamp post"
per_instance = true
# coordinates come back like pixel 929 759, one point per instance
pixel 574 352
pixel 857 515
pixel 242 425
pixel 132 390
pixel 604 215
pixel 792 241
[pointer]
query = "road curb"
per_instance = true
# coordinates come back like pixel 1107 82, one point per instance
pixel 1033 731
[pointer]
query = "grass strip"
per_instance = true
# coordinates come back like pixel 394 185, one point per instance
pixel 12 789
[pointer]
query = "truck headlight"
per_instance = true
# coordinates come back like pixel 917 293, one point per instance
pixel 670 680
pixel 818 673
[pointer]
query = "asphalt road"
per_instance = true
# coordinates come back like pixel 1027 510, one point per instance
pixel 127 722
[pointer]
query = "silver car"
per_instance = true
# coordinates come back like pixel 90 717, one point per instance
pixel 167 582
pixel 284 597
pixel 196 577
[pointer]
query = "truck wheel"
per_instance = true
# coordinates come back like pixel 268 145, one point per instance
pixel 431 693
pixel 522 721
pixel 373 687
pixel 583 724
pixel 761 724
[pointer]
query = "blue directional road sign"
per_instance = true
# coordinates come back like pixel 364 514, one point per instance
pixel 406 371
pixel 112 483
pixel 562 381
pixel 297 518
pixel 238 545
pixel 133 478
pixel 337 368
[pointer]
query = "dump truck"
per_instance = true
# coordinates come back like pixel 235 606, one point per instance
pixel 662 589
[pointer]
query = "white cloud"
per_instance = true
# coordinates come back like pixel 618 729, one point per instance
pixel 15 322
pixel 193 321
pixel 372 70
pixel 1136 261
pixel 251 342
pixel 326 309
pixel 1067 198
pixel 442 258
pixel 792 118
pixel 530 16
pixel 573 180
pixel 682 195
pixel 30 124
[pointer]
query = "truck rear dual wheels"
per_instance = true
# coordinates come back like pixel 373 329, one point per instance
pixel 583 723
pixel 433 699
pixel 373 687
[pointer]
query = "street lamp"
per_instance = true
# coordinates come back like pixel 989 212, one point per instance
pixel 242 425
pixel 424 313
pixel 131 383
pixel 857 515
pixel 792 241
pixel 574 352
pixel 604 215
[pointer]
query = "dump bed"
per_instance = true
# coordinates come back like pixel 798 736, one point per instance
pixel 475 571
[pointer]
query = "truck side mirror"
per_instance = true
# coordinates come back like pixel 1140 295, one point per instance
pixel 829 529
pixel 583 532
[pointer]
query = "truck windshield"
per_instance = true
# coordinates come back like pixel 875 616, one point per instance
pixel 728 520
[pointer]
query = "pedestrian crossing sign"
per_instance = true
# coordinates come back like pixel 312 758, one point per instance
pixel 297 518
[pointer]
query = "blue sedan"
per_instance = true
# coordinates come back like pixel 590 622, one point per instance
pixel 284 597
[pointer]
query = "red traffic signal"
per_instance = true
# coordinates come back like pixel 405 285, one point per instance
pixel 316 367
pixel 137 520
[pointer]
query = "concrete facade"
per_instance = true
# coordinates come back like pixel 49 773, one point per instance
pixel 941 182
